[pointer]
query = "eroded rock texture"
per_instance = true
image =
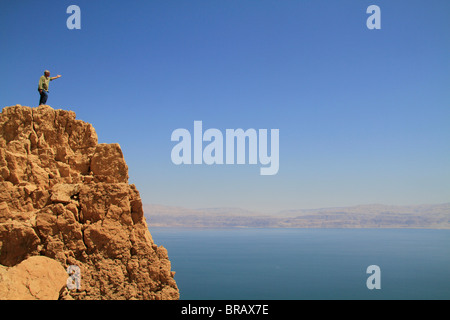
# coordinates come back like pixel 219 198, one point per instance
pixel 66 197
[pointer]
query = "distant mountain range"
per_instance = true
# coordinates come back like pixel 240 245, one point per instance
pixel 433 216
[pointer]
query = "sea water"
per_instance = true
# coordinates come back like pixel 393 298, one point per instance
pixel 297 264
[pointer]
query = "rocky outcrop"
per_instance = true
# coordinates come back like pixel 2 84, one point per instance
pixel 36 278
pixel 66 197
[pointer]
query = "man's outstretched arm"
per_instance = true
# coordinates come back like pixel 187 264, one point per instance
pixel 58 76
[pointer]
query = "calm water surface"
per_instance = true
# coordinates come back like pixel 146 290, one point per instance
pixel 299 264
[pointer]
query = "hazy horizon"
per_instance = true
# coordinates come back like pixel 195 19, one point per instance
pixel 435 216
pixel 240 209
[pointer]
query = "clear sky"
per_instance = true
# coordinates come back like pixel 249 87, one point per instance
pixel 364 115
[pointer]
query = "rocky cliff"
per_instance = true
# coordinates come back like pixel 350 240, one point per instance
pixel 65 197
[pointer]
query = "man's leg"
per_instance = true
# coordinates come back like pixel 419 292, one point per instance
pixel 44 97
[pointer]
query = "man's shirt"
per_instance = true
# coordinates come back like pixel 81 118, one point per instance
pixel 43 83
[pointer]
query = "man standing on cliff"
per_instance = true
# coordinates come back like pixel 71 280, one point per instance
pixel 44 81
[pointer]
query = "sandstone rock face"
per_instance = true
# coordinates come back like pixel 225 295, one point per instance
pixel 66 197
pixel 36 278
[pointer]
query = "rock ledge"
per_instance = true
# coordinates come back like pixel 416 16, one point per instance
pixel 65 197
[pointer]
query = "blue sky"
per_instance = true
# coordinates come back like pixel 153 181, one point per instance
pixel 363 114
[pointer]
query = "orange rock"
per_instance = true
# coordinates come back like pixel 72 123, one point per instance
pixel 36 278
pixel 65 197
pixel 108 161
